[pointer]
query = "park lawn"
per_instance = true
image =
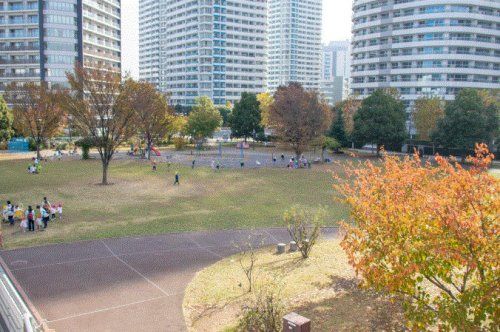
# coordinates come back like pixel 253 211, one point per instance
pixel 140 202
pixel 323 288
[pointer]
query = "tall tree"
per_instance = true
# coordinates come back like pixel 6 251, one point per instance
pixel 203 120
pixel 471 118
pixel 152 113
pixel 381 120
pixel 225 113
pixel 6 122
pixel 337 129
pixel 245 119
pixel 299 116
pixel 36 109
pixel 350 107
pixel 100 110
pixel 428 234
pixel 427 113
pixel 265 102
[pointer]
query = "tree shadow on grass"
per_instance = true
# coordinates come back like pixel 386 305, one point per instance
pixel 285 265
pixel 351 308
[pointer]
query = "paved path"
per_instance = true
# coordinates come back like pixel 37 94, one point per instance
pixel 128 284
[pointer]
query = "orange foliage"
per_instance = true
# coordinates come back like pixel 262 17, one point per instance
pixel 429 233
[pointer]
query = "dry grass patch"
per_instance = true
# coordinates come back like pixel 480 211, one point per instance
pixel 323 288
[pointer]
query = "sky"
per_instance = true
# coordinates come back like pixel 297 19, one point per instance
pixel 336 26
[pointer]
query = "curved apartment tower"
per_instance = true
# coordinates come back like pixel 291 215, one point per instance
pixel 425 47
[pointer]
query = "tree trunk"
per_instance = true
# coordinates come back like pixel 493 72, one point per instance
pixel 38 155
pixel 149 146
pixel 323 155
pixel 105 166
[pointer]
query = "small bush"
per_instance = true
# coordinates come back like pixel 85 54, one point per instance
pixel 304 227
pixel 85 144
pixel 179 143
pixel 62 146
pixel 264 314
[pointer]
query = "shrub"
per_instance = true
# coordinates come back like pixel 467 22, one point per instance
pixel 304 227
pixel 85 144
pixel 264 314
pixel 180 143
pixel 62 146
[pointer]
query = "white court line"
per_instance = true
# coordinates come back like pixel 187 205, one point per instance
pixel 104 309
pixel 135 270
pixel 272 236
pixel 60 263
pixel 204 248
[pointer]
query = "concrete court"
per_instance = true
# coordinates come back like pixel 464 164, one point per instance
pixel 127 284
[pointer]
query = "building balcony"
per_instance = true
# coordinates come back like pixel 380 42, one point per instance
pixel 19 61
pixel 18 48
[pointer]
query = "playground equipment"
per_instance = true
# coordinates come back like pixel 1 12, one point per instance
pixel 156 151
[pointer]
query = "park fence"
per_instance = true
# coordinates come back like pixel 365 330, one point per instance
pixel 15 314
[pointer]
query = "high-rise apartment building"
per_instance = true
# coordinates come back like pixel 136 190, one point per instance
pixel 40 40
pixel 295 48
pixel 336 71
pixel 425 47
pixel 213 48
pixel 149 41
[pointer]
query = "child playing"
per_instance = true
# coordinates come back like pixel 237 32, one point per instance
pixel 24 225
pixel 153 163
pixel 38 218
pixel 53 209
pixel 30 218
pixel 176 181
pixel 59 211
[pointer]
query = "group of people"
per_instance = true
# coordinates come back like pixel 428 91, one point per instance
pixel 32 219
pixel 35 167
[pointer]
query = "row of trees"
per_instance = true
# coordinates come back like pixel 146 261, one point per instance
pixel 108 111
pixel 381 120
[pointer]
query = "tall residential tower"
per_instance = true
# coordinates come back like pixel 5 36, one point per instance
pixel 40 40
pixel 295 48
pixel 213 48
pixel 425 47
pixel 336 71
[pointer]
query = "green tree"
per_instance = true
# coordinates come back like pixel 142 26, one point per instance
pixel 203 120
pixel 471 118
pixel 225 113
pixel 428 111
pixel 337 130
pixel 6 122
pixel 380 120
pixel 246 120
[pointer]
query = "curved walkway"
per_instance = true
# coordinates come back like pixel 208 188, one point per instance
pixel 127 284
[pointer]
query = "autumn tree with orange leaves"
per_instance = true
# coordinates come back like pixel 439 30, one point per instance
pixel 430 234
pixel 36 111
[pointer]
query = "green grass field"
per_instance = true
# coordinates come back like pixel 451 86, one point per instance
pixel 140 202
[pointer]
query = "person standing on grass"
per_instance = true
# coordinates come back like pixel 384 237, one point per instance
pixel 30 216
pixel 192 163
pixel 38 217
pixel 10 213
pixel 176 180
pixel 45 216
